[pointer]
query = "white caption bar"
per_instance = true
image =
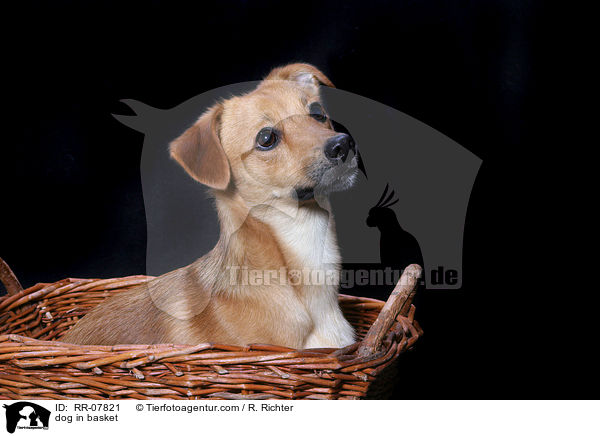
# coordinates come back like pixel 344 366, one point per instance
pixel 461 418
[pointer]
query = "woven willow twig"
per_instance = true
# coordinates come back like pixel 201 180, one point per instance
pixel 35 364
pixel 396 304
pixel 8 278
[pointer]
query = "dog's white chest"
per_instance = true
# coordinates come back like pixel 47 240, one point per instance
pixel 309 240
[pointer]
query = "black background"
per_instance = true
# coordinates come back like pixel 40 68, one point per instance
pixel 72 201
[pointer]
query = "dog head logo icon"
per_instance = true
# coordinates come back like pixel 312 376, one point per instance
pixel 431 174
pixel 26 415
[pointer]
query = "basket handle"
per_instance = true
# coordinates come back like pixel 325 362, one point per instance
pixel 9 279
pixel 397 304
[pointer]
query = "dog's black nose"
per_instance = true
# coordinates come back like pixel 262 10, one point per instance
pixel 338 147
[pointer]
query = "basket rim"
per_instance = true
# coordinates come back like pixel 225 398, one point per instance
pixel 391 333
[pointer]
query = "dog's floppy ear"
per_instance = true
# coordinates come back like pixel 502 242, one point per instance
pixel 199 151
pixel 304 74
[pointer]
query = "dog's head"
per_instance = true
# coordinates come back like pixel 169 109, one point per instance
pixel 276 142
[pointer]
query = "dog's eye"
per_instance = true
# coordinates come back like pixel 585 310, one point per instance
pixel 316 111
pixel 266 139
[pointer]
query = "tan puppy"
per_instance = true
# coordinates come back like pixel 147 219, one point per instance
pixel 271 159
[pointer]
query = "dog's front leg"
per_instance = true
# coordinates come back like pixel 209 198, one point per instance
pixel 331 329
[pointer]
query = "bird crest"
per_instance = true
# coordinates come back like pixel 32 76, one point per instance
pixel 386 201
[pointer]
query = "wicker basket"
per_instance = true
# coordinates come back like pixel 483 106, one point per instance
pixel 34 364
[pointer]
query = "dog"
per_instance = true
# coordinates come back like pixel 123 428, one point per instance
pixel 271 158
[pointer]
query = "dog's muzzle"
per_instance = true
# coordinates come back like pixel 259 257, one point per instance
pixel 338 147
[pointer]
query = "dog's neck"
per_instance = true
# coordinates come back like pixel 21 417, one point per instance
pixel 281 234
pixel 306 232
